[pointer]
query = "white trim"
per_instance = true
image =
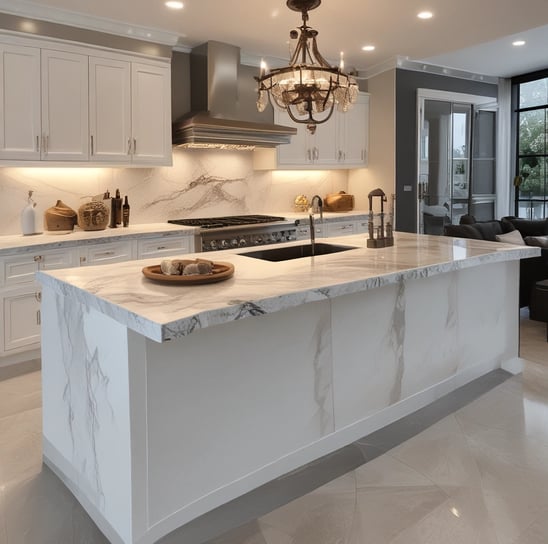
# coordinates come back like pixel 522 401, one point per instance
pixel 449 96
pixel 406 63
pixel 25 8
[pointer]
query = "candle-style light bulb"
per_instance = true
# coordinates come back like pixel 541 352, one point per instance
pixel 341 63
pixel 263 68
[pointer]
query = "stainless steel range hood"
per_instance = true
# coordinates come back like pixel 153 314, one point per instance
pixel 214 120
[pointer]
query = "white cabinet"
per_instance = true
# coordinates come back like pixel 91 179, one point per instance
pixel 340 228
pixel 340 142
pixel 129 106
pixel 305 149
pixel 110 252
pixel 163 247
pixel 20 295
pixel 19 102
pixel 110 110
pixel 151 114
pixel 21 319
pixel 353 133
pixel 75 104
pixel 64 106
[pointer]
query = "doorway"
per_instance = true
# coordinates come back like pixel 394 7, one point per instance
pixel 456 171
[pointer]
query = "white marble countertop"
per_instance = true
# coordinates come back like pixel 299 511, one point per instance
pixel 162 311
pixel 49 240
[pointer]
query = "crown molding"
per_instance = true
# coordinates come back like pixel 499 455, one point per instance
pixel 405 63
pixel 25 8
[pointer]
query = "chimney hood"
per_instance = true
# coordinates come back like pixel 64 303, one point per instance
pixel 214 120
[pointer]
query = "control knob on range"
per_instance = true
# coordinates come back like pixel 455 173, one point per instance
pixel 259 240
pixel 213 245
pixel 224 244
pixel 234 242
pixel 243 242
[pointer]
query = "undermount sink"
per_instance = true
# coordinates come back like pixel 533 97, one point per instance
pixel 296 252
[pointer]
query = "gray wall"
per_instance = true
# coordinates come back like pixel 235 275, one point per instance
pixel 407 83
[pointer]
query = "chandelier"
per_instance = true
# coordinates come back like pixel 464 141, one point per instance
pixel 309 88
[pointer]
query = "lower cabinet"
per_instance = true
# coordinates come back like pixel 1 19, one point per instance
pixel 20 294
pixel 21 319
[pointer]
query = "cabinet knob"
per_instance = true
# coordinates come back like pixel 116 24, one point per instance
pixel 38 258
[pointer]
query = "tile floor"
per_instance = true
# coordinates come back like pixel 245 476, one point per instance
pixel 476 474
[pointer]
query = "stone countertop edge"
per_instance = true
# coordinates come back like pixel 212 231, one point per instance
pixel 164 312
pixel 17 243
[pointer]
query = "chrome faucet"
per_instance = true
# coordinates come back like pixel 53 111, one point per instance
pixel 315 205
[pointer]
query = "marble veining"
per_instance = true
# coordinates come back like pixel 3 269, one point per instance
pixel 162 312
pixel 397 342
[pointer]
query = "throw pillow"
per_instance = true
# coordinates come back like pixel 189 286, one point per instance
pixel 513 237
pixel 539 241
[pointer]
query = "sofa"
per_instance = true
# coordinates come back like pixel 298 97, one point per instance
pixel 511 230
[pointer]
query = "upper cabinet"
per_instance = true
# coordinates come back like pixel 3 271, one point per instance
pixel 340 142
pixel 72 104
pixel 64 106
pixel 19 102
pixel 130 112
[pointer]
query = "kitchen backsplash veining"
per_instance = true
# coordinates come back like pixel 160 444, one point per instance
pixel 200 183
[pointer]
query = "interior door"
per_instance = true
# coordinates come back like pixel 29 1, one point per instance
pixel 456 164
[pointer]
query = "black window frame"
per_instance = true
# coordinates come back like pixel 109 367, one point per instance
pixel 516 82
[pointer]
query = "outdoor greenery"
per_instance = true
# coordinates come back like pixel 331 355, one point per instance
pixel 533 134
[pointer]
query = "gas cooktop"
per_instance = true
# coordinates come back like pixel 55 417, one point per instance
pixel 227 221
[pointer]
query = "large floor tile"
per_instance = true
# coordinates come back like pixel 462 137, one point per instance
pixel 20 445
pixel 20 393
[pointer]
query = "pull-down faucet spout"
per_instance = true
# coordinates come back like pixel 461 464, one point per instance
pixel 315 205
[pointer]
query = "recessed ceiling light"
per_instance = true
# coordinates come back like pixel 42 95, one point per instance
pixel 368 48
pixel 518 43
pixel 173 4
pixel 425 15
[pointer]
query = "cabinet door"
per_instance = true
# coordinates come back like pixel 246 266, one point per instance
pixel 354 133
pixel 64 106
pixel 324 142
pixel 298 152
pixel 19 102
pixel 151 114
pixel 109 110
pixel 21 312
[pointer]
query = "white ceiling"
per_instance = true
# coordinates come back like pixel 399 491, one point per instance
pixel 471 35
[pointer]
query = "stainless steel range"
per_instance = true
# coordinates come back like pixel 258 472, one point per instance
pixel 234 231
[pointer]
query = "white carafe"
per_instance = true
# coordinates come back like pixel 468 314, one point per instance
pixel 28 217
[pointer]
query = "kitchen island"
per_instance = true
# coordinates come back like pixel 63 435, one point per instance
pixel 162 402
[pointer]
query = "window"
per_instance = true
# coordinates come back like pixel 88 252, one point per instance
pixel 531 99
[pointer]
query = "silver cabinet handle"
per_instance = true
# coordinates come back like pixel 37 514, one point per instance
pixel 316 153
pixel 105 254
pixel 134 146
pixel 91 137
pixel 129 146
pixel 37 143
pixel 160 247
pixel 38 317
pixel 46 144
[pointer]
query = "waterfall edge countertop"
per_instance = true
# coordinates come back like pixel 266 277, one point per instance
pixel 163 312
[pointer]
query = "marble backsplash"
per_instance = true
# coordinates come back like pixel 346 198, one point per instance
pixel 199 184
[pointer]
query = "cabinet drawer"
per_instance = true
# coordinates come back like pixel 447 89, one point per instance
pixel 115 252
pixel 18 269
pixel 340 229
pixel 21 312
pixel 360 226
pixel 165 246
